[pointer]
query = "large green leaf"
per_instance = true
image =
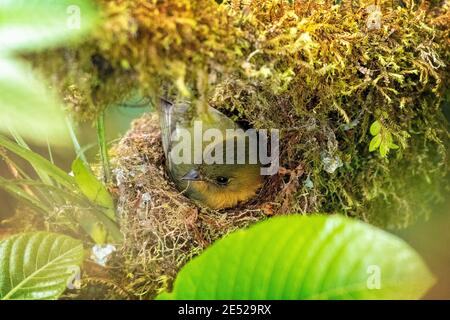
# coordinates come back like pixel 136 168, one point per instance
pixel 28 107
pixel 36 24
pixel 297 257
pixel 38 265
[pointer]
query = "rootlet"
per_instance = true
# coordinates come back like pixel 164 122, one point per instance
pixel 225 309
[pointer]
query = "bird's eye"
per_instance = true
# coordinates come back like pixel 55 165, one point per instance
pixel 223 181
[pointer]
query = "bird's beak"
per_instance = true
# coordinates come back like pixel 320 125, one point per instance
pixel 192 175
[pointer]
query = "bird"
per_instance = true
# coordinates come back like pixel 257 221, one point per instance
pixel 214 185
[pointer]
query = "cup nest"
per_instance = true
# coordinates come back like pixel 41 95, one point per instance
pixel 163 229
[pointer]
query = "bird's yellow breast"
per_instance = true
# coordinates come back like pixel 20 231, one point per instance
pixel 218 198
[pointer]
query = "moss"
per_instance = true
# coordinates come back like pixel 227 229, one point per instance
pixel 320 72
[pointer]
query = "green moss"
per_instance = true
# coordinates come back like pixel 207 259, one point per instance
pixel 322 73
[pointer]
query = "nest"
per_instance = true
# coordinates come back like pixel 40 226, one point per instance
pixel 163 229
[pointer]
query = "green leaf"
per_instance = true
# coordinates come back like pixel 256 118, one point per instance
pixel 37 161
pixel 101 138
pixel 99 224
pixel 21 142
pixel 28 107
pixel 99 227
pixel 375 128
pixel 99 233
pixel 19 193
pixel 299 257
pixel 375 143
pixel 37 265
pixel 46 197
pixel 393 146
pixel 93 189
pixel 37 24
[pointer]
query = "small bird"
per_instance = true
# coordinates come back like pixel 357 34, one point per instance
pixel 216 185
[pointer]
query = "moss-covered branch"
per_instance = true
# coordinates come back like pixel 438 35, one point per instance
pixel 322 73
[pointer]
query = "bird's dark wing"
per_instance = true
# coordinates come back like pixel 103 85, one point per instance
pixel 170 115
pixel 165 108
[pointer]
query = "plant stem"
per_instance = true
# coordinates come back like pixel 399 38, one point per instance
pixel 103 147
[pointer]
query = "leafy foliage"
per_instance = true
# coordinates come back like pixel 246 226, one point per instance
pixel 38 265
pixel 319 72
pixel 93 189
pixel 100 222
pixel 39 163
pixel 382 139
pixel 38 24
pixel 27 106
pixel 58 197
pixel 299 257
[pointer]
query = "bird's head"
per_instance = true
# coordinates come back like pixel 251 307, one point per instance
pixel 216 182
pixel 223 185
